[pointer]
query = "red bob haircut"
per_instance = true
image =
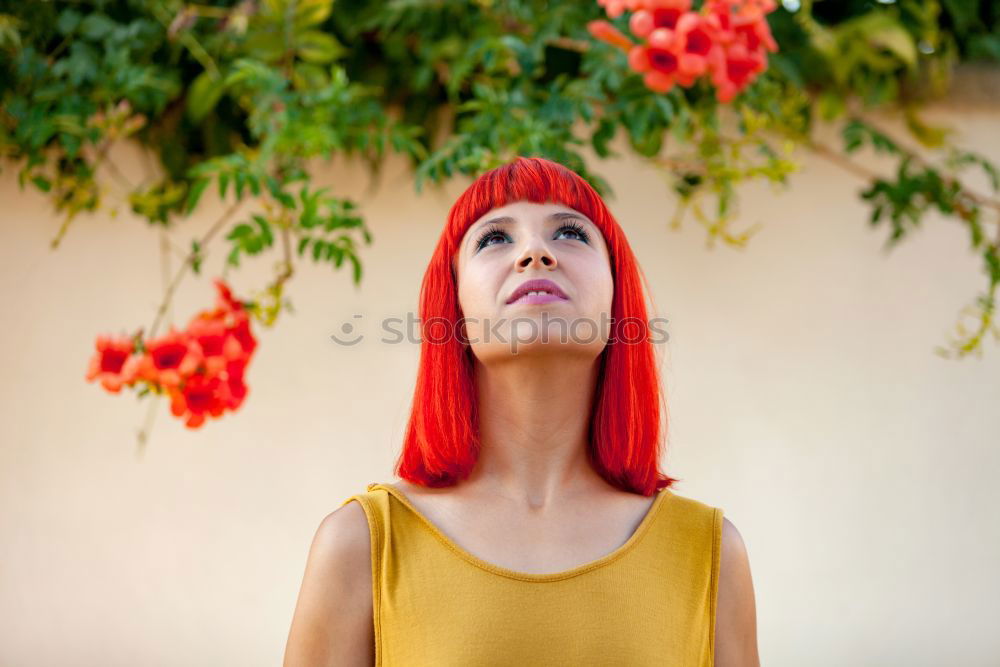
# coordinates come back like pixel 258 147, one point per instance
pixel 441 443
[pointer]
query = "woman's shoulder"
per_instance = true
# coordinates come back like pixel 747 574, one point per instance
pixel 334 608
pixel 736 614
pixel 343 537
pixel 343 540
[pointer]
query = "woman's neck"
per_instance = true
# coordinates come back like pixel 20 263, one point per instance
pixel 534 415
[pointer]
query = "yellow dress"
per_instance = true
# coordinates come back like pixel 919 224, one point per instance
pixel 650 602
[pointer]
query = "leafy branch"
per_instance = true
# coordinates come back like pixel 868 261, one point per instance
pixel 237 97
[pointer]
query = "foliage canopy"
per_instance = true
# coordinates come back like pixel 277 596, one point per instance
pixel 238 96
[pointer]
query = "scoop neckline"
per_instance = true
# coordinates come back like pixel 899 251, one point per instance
pixel 606 559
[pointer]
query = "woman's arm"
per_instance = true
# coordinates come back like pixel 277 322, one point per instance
pixel 333 622
pixel 736 614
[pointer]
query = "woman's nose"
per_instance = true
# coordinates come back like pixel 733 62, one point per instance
pixel 538 255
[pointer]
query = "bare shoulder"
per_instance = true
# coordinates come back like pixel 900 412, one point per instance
pixel 333 621
pixel 736 614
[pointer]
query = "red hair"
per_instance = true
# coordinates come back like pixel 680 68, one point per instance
pixel 441 444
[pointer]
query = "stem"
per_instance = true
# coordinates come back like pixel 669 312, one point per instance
pixel 211 12
pixel 165 265
pixel 286 243
pixel 193 45
pixel 188 259
pixel 678 165
pixel 847 164
pixel 102 158
pixel 286 272
pixel 980 199
pixel 142 436
pixel 63 228
pixel 840 160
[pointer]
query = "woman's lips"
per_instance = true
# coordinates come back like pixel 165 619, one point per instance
pixel 537 298
pixel 538 285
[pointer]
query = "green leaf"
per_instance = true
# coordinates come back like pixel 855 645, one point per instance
pixel 196 257
pixel 266 237
pixel 268 47
pixel 311 12
pixel 603 135
pixel 240 231
pixel 240 179
pixel 991 173
pixel 318 47
pixel 96 26
pixel 830 105
pixel 195 194
pixel 964 13
pixel 357 268
pixel 223 184
pixel 68 21
pixel 303 242
pixel 287 200
pixel 203 95
pixel 787 66
pixel 895 38
pixel 276 7
pixel 985 47
pixel 309 76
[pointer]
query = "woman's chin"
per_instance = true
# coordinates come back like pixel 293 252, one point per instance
pixel 538 348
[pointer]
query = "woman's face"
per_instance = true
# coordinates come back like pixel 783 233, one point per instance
pixel 522 241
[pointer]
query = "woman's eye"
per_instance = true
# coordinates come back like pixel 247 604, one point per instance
pixel 485 241
pixel 580 234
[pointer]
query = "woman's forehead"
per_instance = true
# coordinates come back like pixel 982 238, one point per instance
pixel 526 206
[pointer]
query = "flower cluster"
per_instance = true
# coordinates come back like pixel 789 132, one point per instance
pixel 727 41
pixel 201 368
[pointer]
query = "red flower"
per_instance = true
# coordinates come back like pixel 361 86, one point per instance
pixel 755 10
pixel 215 341
pixel 614 8
pixel 657 15
pixel 727 40
pixel 755 34
pixel 169 358
pixel 694 44
pixel 662 68
pixel 241 332
pixel 739 70
pixel 113 363
pixel 225 298
pixel 234 390
pixel 197 397
pixel 201 367
pixel 606 32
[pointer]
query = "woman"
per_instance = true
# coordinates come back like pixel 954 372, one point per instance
pixel 532 526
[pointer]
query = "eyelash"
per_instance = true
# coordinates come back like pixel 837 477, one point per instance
pixel 492 230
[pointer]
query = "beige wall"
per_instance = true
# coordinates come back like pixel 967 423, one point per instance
pixel 804 400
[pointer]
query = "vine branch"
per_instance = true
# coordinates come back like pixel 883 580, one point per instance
pixel 187 263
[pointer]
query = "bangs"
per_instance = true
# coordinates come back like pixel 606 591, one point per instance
pixel 526 179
